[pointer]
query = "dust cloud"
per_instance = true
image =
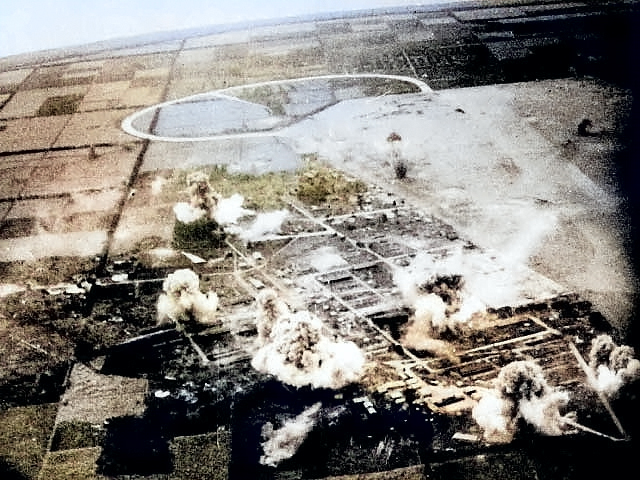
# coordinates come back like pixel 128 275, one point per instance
pixel 298 348
pixel 614 366
pixel 522 393
pixel 182 300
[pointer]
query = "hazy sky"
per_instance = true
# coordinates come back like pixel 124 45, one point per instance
pixel 30 25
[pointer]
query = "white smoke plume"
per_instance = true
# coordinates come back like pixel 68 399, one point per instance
pixel 494 415
pixel 201 194
pixel 298 349
pixel 202 199
pixel 615 366
pixel 185 213
pixel 428 318
pixel 435 291
pixel 521 393
pixel 183 301
pixel 600 353
pixel 265 223
pixel 270 309
pixel 204 202
pixel 326 258
pixel 230 210
pixel 282 443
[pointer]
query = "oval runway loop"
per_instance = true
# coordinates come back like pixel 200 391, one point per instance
pixel 255 119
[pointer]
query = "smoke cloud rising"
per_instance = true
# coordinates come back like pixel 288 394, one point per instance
pixel 298 349
pixel 614 366
pixel 270 309
pixel 204 202
pixel 230 210
pixel 202 199
pixel 182 300
pixel 185 213
pixel 282 443
pixel 521 393
pixel 264 224
pixel 436 292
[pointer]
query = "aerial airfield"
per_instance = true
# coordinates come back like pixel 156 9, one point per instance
pixel 385 244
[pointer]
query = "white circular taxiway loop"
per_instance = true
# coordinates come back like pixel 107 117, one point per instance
pixel 127 123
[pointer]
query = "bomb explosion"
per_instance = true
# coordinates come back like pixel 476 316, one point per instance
pixel 615 366
pixel 521 394
pixel 299 350
pixel 183 301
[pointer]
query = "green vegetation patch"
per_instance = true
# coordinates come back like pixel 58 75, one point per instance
pixel 60 105
pixel 71 465
pixel 24 436
pixel 261 192
pixel 315 184
pixel 201 457
pixel 320 184
pixel 375 86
